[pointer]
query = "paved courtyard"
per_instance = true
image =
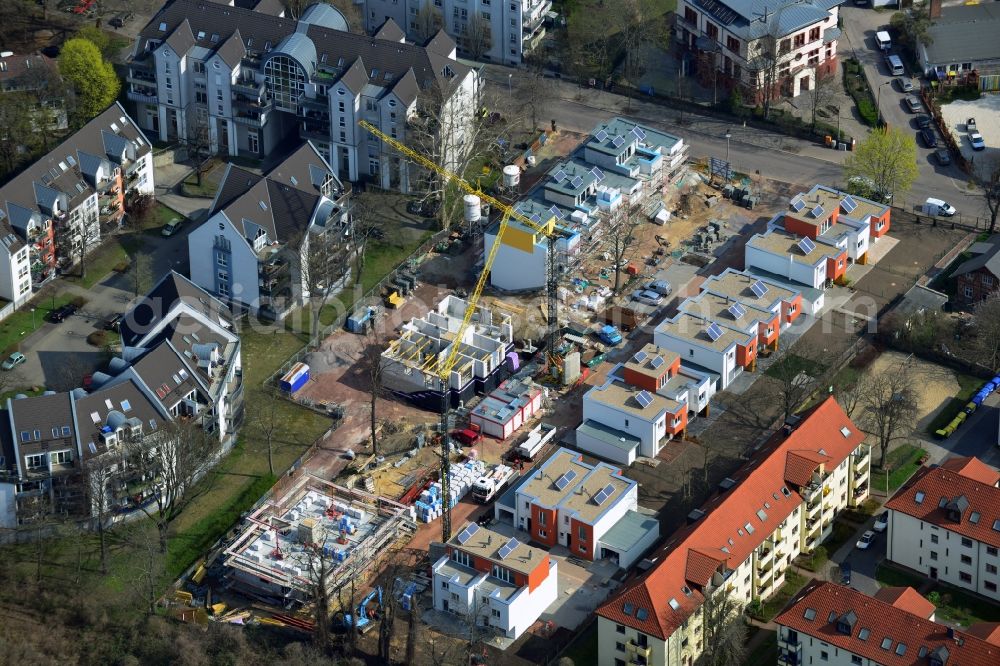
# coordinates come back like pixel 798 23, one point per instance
pixel 986 111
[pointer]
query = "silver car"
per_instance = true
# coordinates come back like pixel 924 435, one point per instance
pixel 646 296
pixel 913 104
pixel 905 85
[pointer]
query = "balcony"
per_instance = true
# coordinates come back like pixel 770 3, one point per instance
pixel 145 96
pixel 861 492
pixel 249 119
pixel 765 566
pixel 141 76
pixel 248 87
pixel 634 649
pixel 318 132
pixel 765 555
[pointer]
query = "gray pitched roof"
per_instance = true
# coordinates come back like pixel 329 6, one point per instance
pixel 272 7
pixel 356 76
pixel 406 88
pixel 127 401
pixel 33 420
pixel 966 33
pixel 157 304
pixel 325 15
pixel 752 19
pixel 391 31
pixel 9 240
pixel 181 38
pixel 235 181
pixel 990 260
pixel 167 374
pixel 17 68
pixel 232 50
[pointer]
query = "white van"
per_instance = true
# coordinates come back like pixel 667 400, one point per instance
pixel 895 65
pixel 938 207
pixel 882 40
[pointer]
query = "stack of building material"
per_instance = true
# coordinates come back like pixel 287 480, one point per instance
pixel 430 505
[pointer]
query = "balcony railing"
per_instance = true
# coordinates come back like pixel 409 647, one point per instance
pixel 143 98
pixel 248 87
pixel 248 119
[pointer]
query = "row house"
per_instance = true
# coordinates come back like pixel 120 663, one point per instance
pixel 825 214
pixel 180 366
pixel 498 31
pixel 57 209
pixel 571 503
pixel 641 405
pixel 758 293
pixel 945 524
pixel 785 45
pixel 798 259
pixel 828 623
pixel 240 81
pixel 710 346
pixel 752 319
pixel 265 232
pixel 495 581
pixel 741 543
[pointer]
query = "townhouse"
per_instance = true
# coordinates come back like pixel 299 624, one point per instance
pixel 266 233
pixel 829 623
pixel 716 348
pixel 750 318
pixel 640 405
pixel 783 46
pixel 57 209
pixel 758 292
pixel 571 503
pixel 819 212
pixel 978 277
pixel 240 81
pixel 622 164
pixel 798 259
pixel 494 581
pixel 180 367
pixel 945 524
pixel 503 32
pixel 741 542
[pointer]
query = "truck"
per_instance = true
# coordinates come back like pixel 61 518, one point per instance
pixel 609 335
pixel 469 436
pixel 488 486
pixel 624 318
pixel 538 437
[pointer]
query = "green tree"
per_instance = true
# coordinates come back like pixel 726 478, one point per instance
pixel 92 77
pixel 912 25
pixel 95 35
pixel 18 139
pixel 888 158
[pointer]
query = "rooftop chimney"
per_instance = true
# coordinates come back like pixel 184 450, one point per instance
pixel 934 9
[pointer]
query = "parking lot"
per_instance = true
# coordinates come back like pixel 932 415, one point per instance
pixel 986 111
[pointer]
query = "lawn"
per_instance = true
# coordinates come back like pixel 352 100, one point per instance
pixel 161 215
pixel 21 323
pixel 113 251
pixel 792 365
pixel 793 583
pixel 902 463
pixel 583 651
pixel 968 385
pixel 766 651
pixel 954 606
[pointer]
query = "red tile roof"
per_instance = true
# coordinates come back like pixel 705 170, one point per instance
pixel 988 631
pixel 800 465
pixel 932 484
pixel 721 537
pixel 882 621
pixel 908 599
pixel 974 468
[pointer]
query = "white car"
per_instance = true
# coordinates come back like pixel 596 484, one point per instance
pixel 881 522
pixel 942 207
pixel 866 540
pixel 976 139
pixel 646 296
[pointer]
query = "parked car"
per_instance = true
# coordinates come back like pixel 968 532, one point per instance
pixel 927 134
pixel 881 522
pixel 942 156
pixel 845 574
pixel 976 139
pixel 171 227
pixel 113 323
pixel 938 207
pixel 647 297
pixel 923 121
pixel 469 436
pixel 12 361
pixel 661 287
pixel 609 335
pixel 905 85
pixel 970 125
pixel 866 540
pixel 913 104
pixel 119 20
pixel 62 314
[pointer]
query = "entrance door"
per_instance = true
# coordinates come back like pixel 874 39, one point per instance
pixel 933 573
pixel 804 84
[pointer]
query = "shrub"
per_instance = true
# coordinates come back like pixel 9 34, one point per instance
pixel 97 338
pixel 78 302
pixel 819 558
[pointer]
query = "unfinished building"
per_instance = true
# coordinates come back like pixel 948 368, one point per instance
pixel 412 363
pixel 315 529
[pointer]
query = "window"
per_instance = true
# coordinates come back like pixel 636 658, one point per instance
pixel 992 587
pixel 581 533
pixel 966 559
pixel 964 577
pixel 800 40
pixel 35 461
pixel 502 573
pixel 991 568
pixel 690 16
pixel 855 659
pixel 933 554
pixel 987 280
pixel 460 557
pixel 444 585
pixel 221 259
pixel 966 543
pixel 223 276
pixel 62 457
pixel 813 34
pixel 968 292
pixel 990 550
pixel 824 655
pixel 620 647
pixel 620 629
pixel 712 30
pixel 733 44
pixel 934 538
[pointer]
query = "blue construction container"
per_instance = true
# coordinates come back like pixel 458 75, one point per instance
pixel 356 322
pixel 295 378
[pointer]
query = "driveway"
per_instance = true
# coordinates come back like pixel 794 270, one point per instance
pixel 863 562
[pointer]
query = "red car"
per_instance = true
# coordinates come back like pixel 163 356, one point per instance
pixel 469 436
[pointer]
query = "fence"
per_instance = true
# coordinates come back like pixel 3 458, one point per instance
pixel 906 210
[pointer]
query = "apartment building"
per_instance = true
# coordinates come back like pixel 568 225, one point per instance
pixel 494 581
pixel 817 213
pixel 180 365
pixel 242 80
pixel 798 259
pixel 499 31
pixel 945 524
pixel 568 502
pixel 266 232
pixel 58 208
pixel 831 624
pixel 640 405
pixel 622 164
pixel 720 350
pixel 784 46
pixel 978 277
pixel 741 542
pixel 750 290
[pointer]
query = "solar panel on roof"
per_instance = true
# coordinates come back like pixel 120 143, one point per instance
pixel 806 245
pixel 639 356
pixel 657 361
pixel 467 533
pixel 736 310
pixel 817 212
pixel 644 399
pixel 618 141
pixel 713 331
pixel 597 174
pixel 601 136
pixel 758 288
pixel 535 218
pixel 556 213
pixel 639 134
pixel 723 14
pixel 508 548
pixel 564 480
pixel 797 204
pixel 559 176
pixel 848 204
pixel 577 181
pixel 600 498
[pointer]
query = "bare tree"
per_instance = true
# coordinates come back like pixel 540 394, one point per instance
pixel 140 209
pixel 100 473
pixel 640 24
pixel 478 37
pixel 319 565
pixel 264 422
pixel 823 93
pixel 851 396
pixel 141 270
pixel 766 56
pixel 173 458
pixel 534 93
pixel 620 236
pixel 991 194
pixel 794 383
pixel 987 328
pixel 890 406
pixel 371 360
pixel 429 20
pixel 725 630
pixel 364 227
pixel 323 261
pixel 590 39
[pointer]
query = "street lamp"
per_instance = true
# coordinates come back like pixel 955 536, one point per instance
pixel 878 101
pixel 509 77
pixel 728 137
pixel 32 318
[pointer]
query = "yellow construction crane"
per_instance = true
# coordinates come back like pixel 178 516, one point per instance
pixel 443 369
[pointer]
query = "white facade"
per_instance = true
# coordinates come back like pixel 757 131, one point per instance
pixel 213 239
pixel 650 429
pixel 15 273
pixel 785 265
pixel 720 361
pixel 515 269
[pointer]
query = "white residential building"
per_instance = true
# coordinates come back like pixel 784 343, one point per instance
pixel 709 345
pixel 741 543
pixel 496 581
pixel 945 524
pixel 499 31
pixel 798 259
pixel 758 292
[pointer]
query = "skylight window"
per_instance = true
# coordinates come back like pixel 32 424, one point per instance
pixel 628 609
pixel 92 447
pixel 901 649
pixel 201 35
pixel 749 528
pixel 95 417
pixel 863 634
pixel 886 643
pixel 974 517
pixel 163 26
pixel 673 604
pixel 126 406
pixel 845 431
pixel 263 206
pixel 810 614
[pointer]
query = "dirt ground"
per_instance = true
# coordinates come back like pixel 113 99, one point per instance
pixel 935 384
